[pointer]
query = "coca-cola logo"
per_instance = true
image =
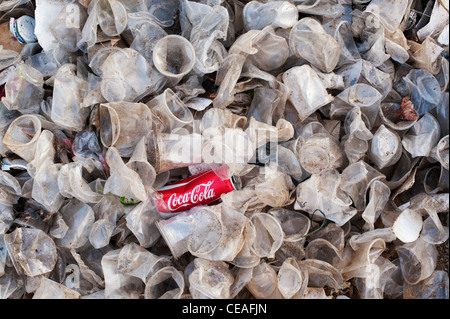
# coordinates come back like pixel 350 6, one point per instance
pixel 198 195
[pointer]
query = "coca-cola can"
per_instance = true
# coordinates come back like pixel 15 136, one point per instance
pixel 201 189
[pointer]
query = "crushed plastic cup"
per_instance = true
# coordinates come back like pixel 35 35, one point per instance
pixel 24 90
pixel 49 289
pixel 167 151
pixel 441 152
pixel 294 224
pixel 264 283
pixel 210 280
pixel 319 153
pixel 417 260
pixel 279 14
pixel 224 149
pixel 273 52
pixel 22 135
pixel 307 91
pixel 292 280
pixel 32 251
pixel 433 287
pixel 269 235
pixel 136 261
pixel 321 274
pixel 385 147
pixel 356 179
pixel 422 136
pixel 108 211
pixel 160 284
pixel 206 26
pixel 197 231
pixel 11 189
pixel 69 89
pixel 309 41
pixel 322 249
pixel 79 217
pixel 246 258
pixel 334 203
pixel 232 239
pixel 125 74
pixel 123 180
pixel 170 112
pixel 355 148
pixel 362 256
pixel 123 125
pixel 378 198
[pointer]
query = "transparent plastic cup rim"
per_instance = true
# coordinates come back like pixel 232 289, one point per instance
pixel 115 137
pixel 188 117
pixel 190 53
pixel 206 212
pixel 318 152
pixel 37 124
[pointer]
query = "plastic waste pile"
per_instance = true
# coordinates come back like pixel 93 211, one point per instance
pixel 224 149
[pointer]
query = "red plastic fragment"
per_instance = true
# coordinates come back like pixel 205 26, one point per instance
pixel 406 111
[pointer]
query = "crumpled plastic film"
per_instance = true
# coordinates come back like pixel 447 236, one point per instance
pixel 224 149
pixel 309 41
pixel 275 13
pixel 24 89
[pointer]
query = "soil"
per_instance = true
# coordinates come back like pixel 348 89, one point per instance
pixel 443 253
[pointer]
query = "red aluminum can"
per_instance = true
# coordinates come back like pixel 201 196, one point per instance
pixel 201 189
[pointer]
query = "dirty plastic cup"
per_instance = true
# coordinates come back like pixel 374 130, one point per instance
pixel 210 279
pixel 174 57
pixel 385 149
pixel 207 232
pixel 197 231
pixel 160 285
pixel 292 280
pixel 363 256
pixel 232 239
pixel 138 163
pixel 355 148
pixel 322 249
pixel 309 41
pixel 23 89
pixel 441 152
pixel 294 224
pixel 221 119
pixel 170 112
pixel 246 259
pixel 22 136
pixel 319 153
pixel 176 231
pixel 269 235
pixel 123 124
pixel 417 260
pixel 264 283
pixel 170 151
pixel 257 15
